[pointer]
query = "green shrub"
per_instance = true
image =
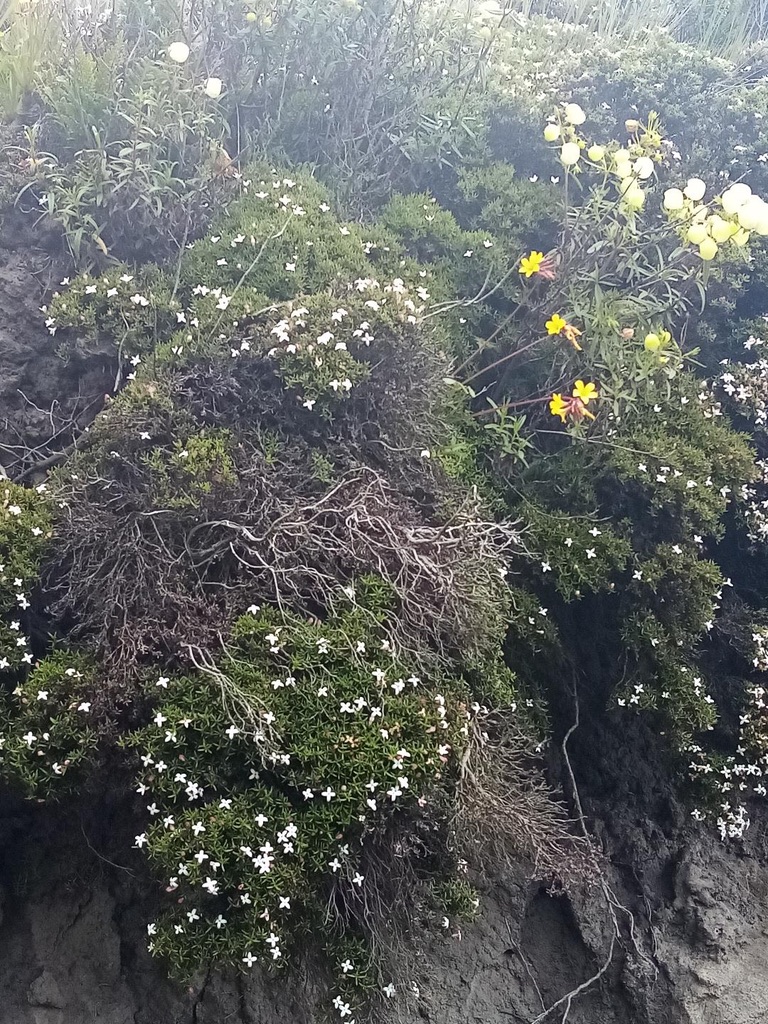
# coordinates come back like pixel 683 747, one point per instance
pixel 278 764
pixel 25 531
pixel 48 740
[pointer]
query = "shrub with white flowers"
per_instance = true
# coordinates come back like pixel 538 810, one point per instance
pixel 25 531
pixel 49 738
pixel 271 776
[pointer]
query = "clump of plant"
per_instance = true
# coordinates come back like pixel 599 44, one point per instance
pixel 48 740
pixel 631 467
pixel 275 778
pixel 273 363
pixel 128 159
pixel 25 531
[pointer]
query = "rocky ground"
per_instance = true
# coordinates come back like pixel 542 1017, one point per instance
pixel 75 901
pixel 72 945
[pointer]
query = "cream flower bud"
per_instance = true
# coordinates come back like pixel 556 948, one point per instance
pixel 622 163
pixel 697 233
pixel 708 249
pixel 178 52
pixel 751 213
pixel 734 197
pixel 552 132
pixel 741 237
pixel 644 167
pixel 634 197
pixel 574 114
pixel 761 227
pixel 695 189
pixel 721 230
pixel 673 200
pixel 596 153
pixel 570 154
pixel 213 88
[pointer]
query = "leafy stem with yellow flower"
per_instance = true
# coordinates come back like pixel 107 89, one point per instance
pixel 575 406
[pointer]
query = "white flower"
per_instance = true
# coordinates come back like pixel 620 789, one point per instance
pixel 213 88
pixel 178 52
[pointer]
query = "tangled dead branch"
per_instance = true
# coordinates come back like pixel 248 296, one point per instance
pixel 445 576
pixel 146 580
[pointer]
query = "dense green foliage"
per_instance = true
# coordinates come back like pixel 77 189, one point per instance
pixel 440 407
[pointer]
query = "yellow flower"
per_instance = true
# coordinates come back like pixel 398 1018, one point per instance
pixel 695 189
pixel 698 232
pixel 674 200
pixel 555 324
pixel 558 407
pixel 529 265
pixel 585 392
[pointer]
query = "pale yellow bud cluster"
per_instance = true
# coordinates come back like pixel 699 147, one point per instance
pixel 742 213
pixel 630 165
pixel 563 129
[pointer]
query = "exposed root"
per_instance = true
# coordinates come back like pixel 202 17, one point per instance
pixel 245 709
pixel 505 807
pixel 616 909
